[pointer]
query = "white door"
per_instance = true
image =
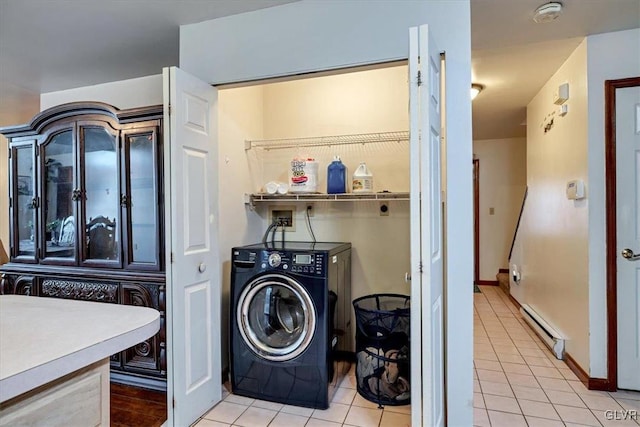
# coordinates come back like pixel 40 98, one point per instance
pixel 628 235
pixel 193 271
pixel 427 366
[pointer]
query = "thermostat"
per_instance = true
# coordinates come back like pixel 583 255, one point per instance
pixel 575 189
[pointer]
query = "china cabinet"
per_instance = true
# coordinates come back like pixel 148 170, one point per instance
pixel 86 217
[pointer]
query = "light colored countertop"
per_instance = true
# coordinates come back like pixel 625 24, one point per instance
pixel 43 339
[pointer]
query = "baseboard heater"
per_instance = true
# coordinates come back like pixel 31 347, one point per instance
pixel 551 337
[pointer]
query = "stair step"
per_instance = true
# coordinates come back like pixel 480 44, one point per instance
pixel 503 281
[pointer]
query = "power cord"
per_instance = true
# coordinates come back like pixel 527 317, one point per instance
pixel 269 228
pixel 313 236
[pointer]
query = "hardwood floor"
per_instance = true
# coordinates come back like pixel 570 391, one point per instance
pixel 136 407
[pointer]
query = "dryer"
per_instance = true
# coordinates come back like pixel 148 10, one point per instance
pixel 290 321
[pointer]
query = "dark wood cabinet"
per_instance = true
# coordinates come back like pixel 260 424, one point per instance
pixel 86 217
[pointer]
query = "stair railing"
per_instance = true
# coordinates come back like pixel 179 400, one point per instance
pixel 515 233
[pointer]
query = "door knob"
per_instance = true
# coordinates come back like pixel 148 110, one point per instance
pixel 628 254
pixel 202 267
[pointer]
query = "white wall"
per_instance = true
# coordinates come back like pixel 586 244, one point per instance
pixel 555 230
pixel 316 35
pixel 123 94
pixel 609 56
pixel 503 179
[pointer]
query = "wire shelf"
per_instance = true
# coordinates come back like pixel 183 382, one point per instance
pixel 320 141
pixel 345 197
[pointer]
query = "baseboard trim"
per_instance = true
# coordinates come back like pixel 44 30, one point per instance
pixel 515 302
pixel 488 282
pixel 601 384
pixel 576 369
pixel 503 270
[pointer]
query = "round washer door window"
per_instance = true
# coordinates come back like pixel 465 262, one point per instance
pixel 276 317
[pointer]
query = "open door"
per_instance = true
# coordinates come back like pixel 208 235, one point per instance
pixel 626 141
pixel 427 329
pixel 193 270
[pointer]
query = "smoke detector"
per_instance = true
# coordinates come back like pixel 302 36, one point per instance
pixel 547 12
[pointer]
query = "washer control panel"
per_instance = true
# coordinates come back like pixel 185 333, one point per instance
pixel 296 262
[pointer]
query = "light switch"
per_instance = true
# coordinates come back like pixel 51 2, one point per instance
pixel 492 211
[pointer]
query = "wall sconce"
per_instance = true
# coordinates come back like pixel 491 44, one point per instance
pixel 475 90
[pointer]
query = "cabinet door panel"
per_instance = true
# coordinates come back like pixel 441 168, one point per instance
pixel 100 195
pixel 24 202
pixel 144 356
pixel 141 158
pixel 59 239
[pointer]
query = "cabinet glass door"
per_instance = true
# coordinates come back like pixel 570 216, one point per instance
pixel 24 202
pixel 59 237
pixel 142 198
pixel 100 195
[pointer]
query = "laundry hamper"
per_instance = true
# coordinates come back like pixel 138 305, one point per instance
pixel 383 348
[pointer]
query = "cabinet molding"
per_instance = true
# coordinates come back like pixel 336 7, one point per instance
pixel 86 291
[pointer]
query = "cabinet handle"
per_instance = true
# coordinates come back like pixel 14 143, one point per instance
pixel 124 201
pixel 202 267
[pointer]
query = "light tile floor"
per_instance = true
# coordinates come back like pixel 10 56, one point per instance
pixel 347 408
pixel 517 382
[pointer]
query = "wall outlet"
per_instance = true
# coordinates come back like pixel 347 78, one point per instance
pixel 283 215
pixel 384 209
pixel 310 210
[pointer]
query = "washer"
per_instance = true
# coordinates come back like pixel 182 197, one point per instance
pixel 290 321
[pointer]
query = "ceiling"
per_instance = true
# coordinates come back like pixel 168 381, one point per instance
pixel 50 45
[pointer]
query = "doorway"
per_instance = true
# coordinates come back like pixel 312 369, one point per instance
pixel 476 222
pixel 622 136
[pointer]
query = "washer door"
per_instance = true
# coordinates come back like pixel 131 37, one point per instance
pixel 276 317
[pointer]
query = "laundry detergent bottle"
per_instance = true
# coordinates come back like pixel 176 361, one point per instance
pixel 362 180
pixel 336 177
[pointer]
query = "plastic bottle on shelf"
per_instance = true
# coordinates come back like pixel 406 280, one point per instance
pixel 336 177
pixel 362 180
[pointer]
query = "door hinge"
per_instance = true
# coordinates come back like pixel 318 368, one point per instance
pixel 420 267
pixel 10 202
pixel 419 78
pixel 171 257
pixel 173 402
pixel 170 110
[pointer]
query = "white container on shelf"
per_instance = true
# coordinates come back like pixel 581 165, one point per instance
pixel 303 176
pixel 362 180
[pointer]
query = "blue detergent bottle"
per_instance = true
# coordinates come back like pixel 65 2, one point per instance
pixel 336 177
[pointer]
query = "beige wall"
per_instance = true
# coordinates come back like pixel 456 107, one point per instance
pixel 240 117
pixel 555 233
pixel 503 179
pixel 561 254
pixel 370 101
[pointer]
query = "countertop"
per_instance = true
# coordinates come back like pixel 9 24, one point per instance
pixel 43 339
